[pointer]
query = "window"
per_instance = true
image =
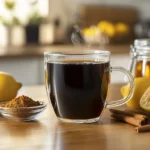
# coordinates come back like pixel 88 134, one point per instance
pixel 23 9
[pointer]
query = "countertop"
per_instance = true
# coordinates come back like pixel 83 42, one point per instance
pixel 37 50
pixel 47 133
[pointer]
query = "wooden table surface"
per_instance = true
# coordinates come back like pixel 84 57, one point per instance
pixel 47 133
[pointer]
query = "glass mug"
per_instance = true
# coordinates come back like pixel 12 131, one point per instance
pixel 77 84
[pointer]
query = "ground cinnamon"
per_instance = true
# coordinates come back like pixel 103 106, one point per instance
pixel 21 101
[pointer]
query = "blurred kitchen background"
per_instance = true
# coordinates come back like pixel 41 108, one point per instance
pixel 30 27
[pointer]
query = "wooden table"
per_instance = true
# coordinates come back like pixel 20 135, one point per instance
pixel 47 133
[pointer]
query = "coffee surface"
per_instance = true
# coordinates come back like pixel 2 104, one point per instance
pixel 78 90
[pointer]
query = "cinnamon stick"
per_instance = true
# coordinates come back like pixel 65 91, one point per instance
pixel 128 113
pixel 129 119
pixel 145 128
pixel 137 111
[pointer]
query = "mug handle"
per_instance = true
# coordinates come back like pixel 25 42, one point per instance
pixel 131 82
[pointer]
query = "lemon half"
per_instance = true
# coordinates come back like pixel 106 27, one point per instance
pixel 145 100
pixel 141 84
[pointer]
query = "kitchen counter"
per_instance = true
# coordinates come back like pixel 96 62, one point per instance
pixel 37 51
pixel 48 133
pixel 26 64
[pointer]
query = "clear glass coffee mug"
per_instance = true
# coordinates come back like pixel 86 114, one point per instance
pixel 77 84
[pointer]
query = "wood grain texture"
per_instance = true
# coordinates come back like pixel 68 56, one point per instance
pixel 47 133
pixel 92 14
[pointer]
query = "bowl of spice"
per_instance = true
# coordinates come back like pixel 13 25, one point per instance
pixel 22 108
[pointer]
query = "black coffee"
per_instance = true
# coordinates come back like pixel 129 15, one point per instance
pixel 78 89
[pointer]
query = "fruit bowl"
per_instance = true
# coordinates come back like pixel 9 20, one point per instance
pixel 23 113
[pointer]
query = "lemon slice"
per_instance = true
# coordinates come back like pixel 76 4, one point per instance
pixel 145 100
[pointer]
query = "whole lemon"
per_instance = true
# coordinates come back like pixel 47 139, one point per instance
pixel 141 84
pixel 122 28
pixel 8 87
pixel 107 28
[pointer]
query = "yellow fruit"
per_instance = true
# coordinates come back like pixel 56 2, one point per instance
pixel 145 100
pixel 107 28
pixel 8 87
pixel 122 28
pixel 141 84
pixel 92 31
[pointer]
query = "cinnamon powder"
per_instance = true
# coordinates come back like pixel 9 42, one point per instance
pixel 21 101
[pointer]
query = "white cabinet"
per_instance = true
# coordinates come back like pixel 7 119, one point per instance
pixel 119 60
pixel 28 71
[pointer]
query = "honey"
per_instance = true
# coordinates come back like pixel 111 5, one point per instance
pixel 142 69
pixel 140 58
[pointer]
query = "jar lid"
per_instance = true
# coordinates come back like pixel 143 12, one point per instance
pixel 142 42
pixel 141 47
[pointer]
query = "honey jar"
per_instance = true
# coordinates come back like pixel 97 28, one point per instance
pixel 140 54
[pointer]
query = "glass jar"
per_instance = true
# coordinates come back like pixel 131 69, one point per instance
pixel 140 54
